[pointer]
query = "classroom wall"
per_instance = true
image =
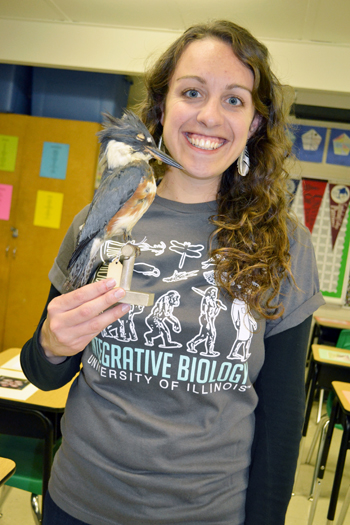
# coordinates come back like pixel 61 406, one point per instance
pixel 315 69
pixel 305 65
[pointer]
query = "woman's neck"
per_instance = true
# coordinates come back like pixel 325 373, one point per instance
pixel 189 191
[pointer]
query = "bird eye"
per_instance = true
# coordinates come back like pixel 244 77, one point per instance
pixel 140 136
pixel 149 140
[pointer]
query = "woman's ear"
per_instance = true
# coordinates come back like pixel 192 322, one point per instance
pixel 161 120
pixel 254 125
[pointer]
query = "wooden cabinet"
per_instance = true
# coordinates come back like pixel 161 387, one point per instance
pixel 28 251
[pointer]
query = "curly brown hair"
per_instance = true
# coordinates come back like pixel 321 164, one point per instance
pixel 250 245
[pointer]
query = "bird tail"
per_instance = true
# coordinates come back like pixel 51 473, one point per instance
pixel 79 275
pixel 80 265
pixel 81 246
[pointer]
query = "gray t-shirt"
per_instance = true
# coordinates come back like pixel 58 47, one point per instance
pixel 159 424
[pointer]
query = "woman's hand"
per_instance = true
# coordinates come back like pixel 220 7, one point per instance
pixel 75 318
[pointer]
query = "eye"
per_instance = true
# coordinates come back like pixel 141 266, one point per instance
pixel 192 93
pixel 234 101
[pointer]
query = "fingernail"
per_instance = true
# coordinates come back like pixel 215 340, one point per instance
pixel 125 307
pixel 110 283
pixel 119 293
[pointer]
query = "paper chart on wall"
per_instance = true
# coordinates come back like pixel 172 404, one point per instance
pixel 8 152
pixel 54 160
pixel 5 201
pixel 48 209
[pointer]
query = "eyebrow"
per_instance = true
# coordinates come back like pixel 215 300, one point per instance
pixel 202 81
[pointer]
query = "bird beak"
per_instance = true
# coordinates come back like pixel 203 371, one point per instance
pixel 163 157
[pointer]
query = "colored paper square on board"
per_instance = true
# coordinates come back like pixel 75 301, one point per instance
pixel 8 152
pixel 48 209
pixel 5 201
pixel 339 147
pixel 309 142
pixel 54 160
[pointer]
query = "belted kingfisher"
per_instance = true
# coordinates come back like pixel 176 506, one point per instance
pixel 126 191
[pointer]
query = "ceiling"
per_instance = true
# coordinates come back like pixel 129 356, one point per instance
pixel 311 20
pixel 315 24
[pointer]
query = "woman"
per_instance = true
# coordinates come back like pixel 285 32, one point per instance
pixel 159 431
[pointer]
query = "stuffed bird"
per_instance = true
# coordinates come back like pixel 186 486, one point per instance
pixel 126 191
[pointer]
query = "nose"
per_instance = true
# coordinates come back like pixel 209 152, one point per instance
pixel 210 113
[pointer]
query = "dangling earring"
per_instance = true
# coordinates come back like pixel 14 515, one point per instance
pixel 243 162
pixel 159 147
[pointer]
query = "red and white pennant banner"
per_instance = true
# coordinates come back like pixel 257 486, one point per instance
pixel 313 191
pixel 339 197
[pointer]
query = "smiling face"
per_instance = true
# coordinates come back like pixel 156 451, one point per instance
pixel 209 113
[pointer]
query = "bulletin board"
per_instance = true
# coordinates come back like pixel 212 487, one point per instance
pixel 323 152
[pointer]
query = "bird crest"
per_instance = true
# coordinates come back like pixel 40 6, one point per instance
pixel 128 129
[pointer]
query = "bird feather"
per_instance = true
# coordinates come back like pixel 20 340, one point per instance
pixel 115 190
pixel 126 191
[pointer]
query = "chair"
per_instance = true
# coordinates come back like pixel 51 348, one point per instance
pixel 7 469
pixel 343 342
pixel 26 435
pixel 344 508
pixel 340 413
pixel 326 336
pixel 327 364
pixel 322 334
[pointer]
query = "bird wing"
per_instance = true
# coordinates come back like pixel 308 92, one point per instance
pixel 114 191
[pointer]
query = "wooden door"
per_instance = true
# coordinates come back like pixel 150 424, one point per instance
pixel 36 246
pixel 11 126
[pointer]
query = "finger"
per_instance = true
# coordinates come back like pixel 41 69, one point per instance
pixel 113 314
pixel 85 332
pixel 89 292
pixel 90 310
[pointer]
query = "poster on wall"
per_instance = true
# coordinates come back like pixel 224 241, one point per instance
pixel 339 147
pixel 309 143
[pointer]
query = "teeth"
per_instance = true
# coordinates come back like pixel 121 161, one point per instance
pixel 204 144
